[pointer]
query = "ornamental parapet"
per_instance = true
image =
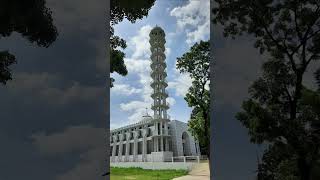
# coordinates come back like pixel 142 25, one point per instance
pixel 163 83
pixel 155 40
pixel 156 48
pixel 158 63
pixel 158 54
pixel 156 106
pixel 157 59
pixel 158 118
pixel 159 94
pixel 154 73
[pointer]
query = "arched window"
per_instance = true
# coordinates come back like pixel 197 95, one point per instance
pixel 186 144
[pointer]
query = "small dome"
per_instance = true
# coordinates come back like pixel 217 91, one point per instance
pixel 157 30
pixel 146 118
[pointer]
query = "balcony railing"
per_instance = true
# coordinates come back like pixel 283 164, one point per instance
pixel 164 83
pixel 165 117
pixel 163 73
pixel 153 106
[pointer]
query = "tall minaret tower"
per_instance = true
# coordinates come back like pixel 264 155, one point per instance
pixel 158 74
pixel 159 95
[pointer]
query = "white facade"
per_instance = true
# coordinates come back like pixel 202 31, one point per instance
pixel 143 142
pixel 157 138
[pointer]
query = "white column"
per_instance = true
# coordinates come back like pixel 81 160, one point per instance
pixel 155 142
pixel 156 128
pixel 113 152
pixel 166 132
pixel 167 144
pixel 135 146
pixel 166 128
pixel 161 136
pixel 144 145
pixel 127 146
pixel 114 148
pixel 161 143
pixel 120 147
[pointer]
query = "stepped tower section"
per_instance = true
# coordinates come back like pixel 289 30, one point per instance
pixel 159 95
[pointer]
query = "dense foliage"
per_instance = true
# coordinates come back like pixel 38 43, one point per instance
pixel 30 18
pixel 196 62
pixel 279 111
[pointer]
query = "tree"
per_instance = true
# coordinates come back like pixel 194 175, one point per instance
pixel 289 32
pixel 265 115
pixel 196 62
pixel 117 56
pixel 32 19
pixel 6 59
pixel 132 11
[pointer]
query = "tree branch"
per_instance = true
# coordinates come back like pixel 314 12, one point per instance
pixel 290 56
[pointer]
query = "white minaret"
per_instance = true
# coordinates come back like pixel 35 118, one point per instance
pixel 158 74
pixel 159 84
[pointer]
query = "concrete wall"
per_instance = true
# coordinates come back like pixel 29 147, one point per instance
pixel 164 156
pixel 177 129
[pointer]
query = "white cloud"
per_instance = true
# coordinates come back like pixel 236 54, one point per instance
pixel 136 65
pixel 140 43
pixel 199 34
pixel 117 124
pixel 140 46
pixel 167 51
pixel 180 84
pixel 139 64
pixel 133 105
pixel 124 89
pixel 196 16
pixel 136 108
pixel 171 101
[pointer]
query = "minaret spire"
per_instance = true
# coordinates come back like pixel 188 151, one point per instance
pixel 158 74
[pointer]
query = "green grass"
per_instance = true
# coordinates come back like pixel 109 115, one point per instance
pixel 144 174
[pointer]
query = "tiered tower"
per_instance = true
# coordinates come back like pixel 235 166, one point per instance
pixel 159 84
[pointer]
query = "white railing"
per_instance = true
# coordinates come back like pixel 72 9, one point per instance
pixel 185 158
pixel 157 116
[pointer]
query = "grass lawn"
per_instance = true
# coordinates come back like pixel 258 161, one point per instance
pixel 144 174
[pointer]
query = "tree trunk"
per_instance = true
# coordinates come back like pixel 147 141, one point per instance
pixel 304 169
pixel 206 132
pixel 303 166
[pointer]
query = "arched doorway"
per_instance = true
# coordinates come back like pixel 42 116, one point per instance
pixel 186 144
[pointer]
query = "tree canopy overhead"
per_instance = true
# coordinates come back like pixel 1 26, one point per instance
pixel 32 19
pixel 132 11
pixel 277 113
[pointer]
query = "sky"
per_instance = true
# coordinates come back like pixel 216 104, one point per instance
pixel 185 23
